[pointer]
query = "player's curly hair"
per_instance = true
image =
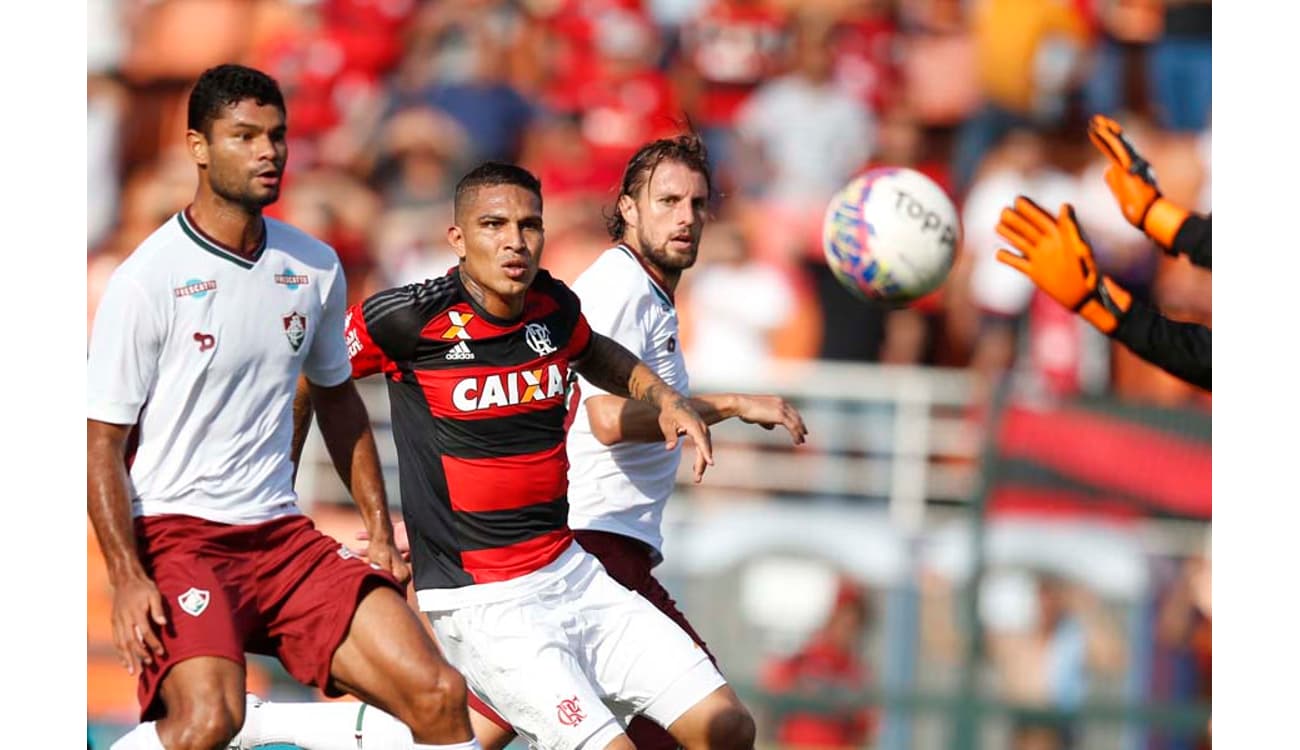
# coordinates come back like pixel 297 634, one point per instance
pixel 491 173
pixel 686 149
pixel 227 85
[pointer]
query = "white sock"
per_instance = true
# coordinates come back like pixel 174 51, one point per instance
pixel 470 745
pixel 345 725
pixel 143 737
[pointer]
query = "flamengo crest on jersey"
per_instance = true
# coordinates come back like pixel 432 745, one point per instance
pixel 539 338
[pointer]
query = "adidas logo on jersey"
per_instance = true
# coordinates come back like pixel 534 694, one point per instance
pixel 460 351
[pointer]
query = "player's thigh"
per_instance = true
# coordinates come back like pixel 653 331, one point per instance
pixel 491 731
pixel 386 658
pixel 488 726
pixel 310 591
pixel 203 694
pixel 719 720
pixel 643 662
pixel 207 615
pixel 518 659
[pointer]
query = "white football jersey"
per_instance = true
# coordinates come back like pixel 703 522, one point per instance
pixel 622 488
pixel 201 349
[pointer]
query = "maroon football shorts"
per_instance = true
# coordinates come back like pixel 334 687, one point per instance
pixel 628 561
pixel 279 588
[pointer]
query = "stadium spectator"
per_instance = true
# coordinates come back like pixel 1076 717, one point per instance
pixel 728 50
pixel 1180 72
pixel 1030 58
pixel 829 664
pixel 789 125
pixel 1183 659
pixel 724 333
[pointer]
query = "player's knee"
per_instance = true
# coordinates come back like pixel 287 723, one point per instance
pixel 731 728
pixel 437 704
pixel 207 725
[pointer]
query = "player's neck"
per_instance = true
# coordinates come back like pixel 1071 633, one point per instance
pixel 494 304
pixel 664 278
pixel 237 227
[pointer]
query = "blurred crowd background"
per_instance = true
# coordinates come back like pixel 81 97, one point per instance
pixel 390 101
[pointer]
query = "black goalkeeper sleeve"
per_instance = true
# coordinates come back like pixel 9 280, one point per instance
pixel 1180 349
pixel 1193 239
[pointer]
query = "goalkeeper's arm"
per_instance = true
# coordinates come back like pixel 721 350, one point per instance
pixel 1180 349
pixel 1055 256
pixel 1193 239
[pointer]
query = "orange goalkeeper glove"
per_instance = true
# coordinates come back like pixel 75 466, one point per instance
pixel 1056 257
pixel 1133 183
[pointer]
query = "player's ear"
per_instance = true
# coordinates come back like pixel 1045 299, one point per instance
pixel 456 239
pixel 627 209
pixel 197 145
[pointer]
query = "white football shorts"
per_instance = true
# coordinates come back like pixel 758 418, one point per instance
pixel 570 663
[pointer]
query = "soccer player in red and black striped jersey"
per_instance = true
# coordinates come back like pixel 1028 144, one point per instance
pixel 477 363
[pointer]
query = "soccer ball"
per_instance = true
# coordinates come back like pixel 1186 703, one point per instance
pixel 890 235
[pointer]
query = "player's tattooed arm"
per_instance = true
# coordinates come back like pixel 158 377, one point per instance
pixel 611 367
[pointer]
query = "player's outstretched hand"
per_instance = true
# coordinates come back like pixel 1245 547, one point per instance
pixel 400 540
pixel 137 614
pixel 1129 176
pixel 769 411
pixel 1056 257
pixel 677 418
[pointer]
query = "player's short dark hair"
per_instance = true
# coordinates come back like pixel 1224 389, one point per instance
pixel 493 173
pixel 225 86
pixel 686 149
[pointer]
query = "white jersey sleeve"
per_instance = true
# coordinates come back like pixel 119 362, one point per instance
pixel 125 344
pixel 327 362
pixel 613 313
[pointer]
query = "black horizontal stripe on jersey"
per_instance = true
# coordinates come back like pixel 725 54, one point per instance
pixel 395 317
pixel 429 519
pixel 502 528
pixel 514 435
pixel 509 349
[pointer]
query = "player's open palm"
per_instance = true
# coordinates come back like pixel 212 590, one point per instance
pixel 769 411
pixel 677 419
pixel 137 614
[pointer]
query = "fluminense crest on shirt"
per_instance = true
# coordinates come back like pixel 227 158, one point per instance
pixel 295 328
pixel 194 601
